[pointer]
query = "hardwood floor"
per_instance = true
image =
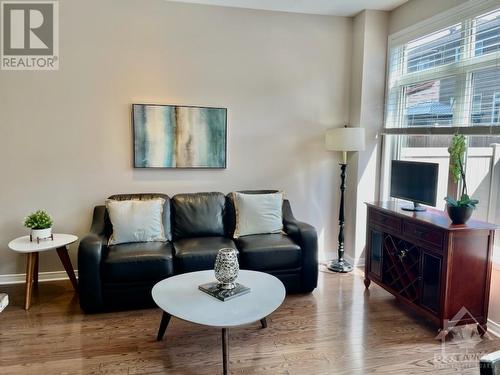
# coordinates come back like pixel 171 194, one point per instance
pixel 338 329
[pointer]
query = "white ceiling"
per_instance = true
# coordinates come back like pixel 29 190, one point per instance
pixel 325 7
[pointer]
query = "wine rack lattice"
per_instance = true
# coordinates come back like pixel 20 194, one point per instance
pixel 402 267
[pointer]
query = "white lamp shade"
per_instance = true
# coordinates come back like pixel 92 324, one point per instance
pixel 345 139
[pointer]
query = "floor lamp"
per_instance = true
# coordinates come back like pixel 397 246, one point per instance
pixel 344 140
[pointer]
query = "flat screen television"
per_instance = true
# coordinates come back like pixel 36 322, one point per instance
pixel 415 182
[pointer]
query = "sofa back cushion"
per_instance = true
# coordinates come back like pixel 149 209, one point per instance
pixel 144 196
pixel 258 213
pixel 136 220
pixel 198 215
pixel 230 215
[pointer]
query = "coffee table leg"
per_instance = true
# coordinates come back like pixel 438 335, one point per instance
pixel 30 271
pixel 165 318
pixel 66 262
pixel 263 322
pixel 225 351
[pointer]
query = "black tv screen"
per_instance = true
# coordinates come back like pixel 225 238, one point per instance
pixel 414 181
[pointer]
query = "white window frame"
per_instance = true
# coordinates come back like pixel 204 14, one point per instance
pixel 462 110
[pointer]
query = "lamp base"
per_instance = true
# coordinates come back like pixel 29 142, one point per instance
pixel 339 266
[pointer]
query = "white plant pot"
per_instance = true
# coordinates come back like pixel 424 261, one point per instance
pixel 41 234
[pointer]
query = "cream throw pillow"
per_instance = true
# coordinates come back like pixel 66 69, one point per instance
pixel 136 220
pixel 258 213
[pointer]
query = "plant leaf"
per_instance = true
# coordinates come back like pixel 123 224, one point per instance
pixel 451 201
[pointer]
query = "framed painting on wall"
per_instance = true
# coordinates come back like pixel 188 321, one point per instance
pixel 172 136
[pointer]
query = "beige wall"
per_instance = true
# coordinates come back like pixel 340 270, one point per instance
pixel 66 135
pixel 415 11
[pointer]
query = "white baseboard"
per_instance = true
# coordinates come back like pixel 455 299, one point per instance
pixel 20 278
pixel 359 263
pixel 493 328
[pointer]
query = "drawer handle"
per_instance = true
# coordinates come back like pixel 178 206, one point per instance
pixel 402 253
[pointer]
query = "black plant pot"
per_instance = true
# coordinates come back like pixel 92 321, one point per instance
pixel 459 215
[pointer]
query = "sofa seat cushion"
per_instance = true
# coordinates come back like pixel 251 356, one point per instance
pixel 196 254
pixel 138 262
pixel 265 252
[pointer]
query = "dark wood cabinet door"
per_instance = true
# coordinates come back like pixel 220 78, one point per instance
pixel 431 281
pixel 376 238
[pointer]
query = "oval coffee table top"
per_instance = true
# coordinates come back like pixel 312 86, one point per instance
pixel 180 297
pixel 24 245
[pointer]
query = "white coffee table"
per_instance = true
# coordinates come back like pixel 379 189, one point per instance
pixel 179 296
pixel 32 249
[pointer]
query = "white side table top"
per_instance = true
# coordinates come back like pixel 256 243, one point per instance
pixel 24 245
pixel 180 297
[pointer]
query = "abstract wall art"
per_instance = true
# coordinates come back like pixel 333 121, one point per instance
pixel 171 136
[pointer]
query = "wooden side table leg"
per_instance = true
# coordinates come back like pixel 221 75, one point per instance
pixel 35 276
pixel 66 262
pixel 30 271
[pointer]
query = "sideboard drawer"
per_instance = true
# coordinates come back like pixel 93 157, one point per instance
pixel 386 221
pixel 428 235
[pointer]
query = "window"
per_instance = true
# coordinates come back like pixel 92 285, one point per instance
pixel 486 85
pixel 495 108
pixel 476 112
pixel 441 83
pixel 435 80
pixel 479 48
pixel 430 103
pixel 434 50
pixel 487 36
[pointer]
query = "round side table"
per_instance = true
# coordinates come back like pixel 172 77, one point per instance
pixel 32 249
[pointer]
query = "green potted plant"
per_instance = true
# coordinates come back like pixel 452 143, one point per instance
pixel 459 210
pixel 40 224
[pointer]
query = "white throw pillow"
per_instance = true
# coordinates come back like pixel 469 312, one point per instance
pixel 258 213
pixel 136 220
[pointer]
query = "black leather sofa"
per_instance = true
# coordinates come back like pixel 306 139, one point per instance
pixel 197 226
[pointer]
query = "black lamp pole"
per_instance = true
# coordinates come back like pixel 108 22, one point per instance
pixel 341 265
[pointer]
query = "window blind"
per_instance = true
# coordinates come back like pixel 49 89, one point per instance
pixel 448 80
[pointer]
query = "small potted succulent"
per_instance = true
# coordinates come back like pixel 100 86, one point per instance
pixel 40 224
pixel 459 210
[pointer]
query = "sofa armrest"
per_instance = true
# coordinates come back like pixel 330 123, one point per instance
pixel 90 252
pixel 305 235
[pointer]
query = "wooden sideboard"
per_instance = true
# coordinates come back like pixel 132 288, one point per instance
pixel 434 267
